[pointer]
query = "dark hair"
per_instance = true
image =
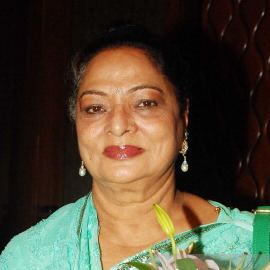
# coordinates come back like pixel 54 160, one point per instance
pixel 162 54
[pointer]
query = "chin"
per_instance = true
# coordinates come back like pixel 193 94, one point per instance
pixel 121 172
pixel 121 175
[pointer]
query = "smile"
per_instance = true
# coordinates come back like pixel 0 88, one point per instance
pixel 122 152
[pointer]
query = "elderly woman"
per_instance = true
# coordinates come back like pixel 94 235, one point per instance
pixel 130 107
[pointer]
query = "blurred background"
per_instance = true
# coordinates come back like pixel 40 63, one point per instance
pixel 226 44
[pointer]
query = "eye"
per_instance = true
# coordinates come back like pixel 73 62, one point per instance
pixel 147 103
pixel 95 109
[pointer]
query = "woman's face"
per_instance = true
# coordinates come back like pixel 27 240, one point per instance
pixel 127 118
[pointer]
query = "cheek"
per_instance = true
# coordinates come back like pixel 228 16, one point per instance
pixel 163 131
pixel 87 134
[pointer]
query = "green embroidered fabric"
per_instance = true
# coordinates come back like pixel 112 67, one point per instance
pixel 68 239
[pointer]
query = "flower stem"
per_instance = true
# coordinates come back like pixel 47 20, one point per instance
pixel 150 251
pixel 173 247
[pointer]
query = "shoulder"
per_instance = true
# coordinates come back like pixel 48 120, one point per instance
pixel 37 243
pixel 233 233
pixel 242 219
pixel 229 230
pixel 207 212
pixel 202 211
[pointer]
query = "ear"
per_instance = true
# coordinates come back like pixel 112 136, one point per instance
pixel 183 122
pixel 186 115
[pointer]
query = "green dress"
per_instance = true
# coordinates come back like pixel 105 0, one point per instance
pixel 68 239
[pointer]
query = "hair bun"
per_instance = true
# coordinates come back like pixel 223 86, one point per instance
pixel 121 26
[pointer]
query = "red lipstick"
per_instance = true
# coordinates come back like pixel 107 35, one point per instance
pixel 122 152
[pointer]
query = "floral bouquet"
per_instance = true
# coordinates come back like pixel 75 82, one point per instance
pixel 184 259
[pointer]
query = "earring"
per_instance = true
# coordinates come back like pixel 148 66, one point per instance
pixel 82 170
pixel 183 151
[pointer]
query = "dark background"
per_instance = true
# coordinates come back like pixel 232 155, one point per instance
pixel 227 46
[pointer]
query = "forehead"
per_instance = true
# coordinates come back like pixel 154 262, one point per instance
pixel 122 52
pixel 123 67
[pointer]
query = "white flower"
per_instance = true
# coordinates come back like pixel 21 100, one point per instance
pixel 169 263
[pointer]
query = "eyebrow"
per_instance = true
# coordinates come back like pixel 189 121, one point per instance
pixel 92 92
pixel 140 87
pixel 131 90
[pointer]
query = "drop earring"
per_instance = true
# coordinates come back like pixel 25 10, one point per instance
pixel 183 151
pixel 82 170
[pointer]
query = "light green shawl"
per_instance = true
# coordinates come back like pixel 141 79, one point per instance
pixel 68 239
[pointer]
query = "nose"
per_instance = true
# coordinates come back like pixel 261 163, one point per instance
pixel 120 121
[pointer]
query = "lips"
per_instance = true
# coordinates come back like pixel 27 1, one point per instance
pixel 122 152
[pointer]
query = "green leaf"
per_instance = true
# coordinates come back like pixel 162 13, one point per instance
pixel 185 264
pixel 141 266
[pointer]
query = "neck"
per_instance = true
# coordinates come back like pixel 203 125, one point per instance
pixel 124 201
pixel 122 207
pixel 126 216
